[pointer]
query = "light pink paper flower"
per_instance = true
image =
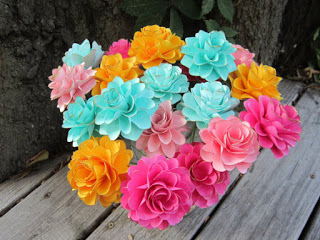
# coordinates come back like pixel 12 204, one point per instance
pixel 157 192
pixel 229 143
pixel 242 55
pixel 164 136
pixel 277 126
pixel 209 183
pixel 122 47
pixel 68 83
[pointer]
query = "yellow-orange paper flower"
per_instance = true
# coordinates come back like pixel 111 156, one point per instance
pixel 254 81
pixel 155 44
pixel 97 169
pixel 114 66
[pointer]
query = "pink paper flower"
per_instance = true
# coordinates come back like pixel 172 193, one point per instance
pixel 242 55
pixel 122 47
pixel 157 192
pixel 164 136
pixel 209 183
pixel 277 126
pixel 68 83
pixel 229 143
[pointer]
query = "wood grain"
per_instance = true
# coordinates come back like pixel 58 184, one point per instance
pixel 52 211
pixel 277 198
pixel 14 190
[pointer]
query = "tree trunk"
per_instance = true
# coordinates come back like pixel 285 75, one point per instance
pixel 34 35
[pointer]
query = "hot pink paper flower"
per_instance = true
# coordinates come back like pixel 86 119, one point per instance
pixel 229 143
pixel 277 126
pixel 122 47
pixel 157 192
pixel 164 136
pixel 209 183
pixel 68 83
pixel 242 55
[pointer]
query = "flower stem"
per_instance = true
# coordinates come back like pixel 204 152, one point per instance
pixel 193 133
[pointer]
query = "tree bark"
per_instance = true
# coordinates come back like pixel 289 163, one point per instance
pixel 34 35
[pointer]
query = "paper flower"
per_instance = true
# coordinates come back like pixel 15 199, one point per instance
pixel 255 81
pixel 97 169
pixel 206 101
pixel 278 127
pixel 83 52
pixel 208 55
pixel 68 83
pixel 242 55
pixel 155 44
pixel 122 47
pixel 229 143
pixel 157 192
pixel 114 66
pixel 166 81
pixel 165 135
pixel 191 78
pixel 124 107
pixel 80 118
pixel 209 183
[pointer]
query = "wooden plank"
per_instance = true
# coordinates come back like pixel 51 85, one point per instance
pixel 123 227
pixel 277 198
pixel 52 211
pixel 312 229
pixel 13 190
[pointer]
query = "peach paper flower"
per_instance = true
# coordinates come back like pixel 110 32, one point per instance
pixel 164 136
pixel 114 66
pixel 122 46
pixel 155 44
pixel 68 83
pixel 242 55
pixel 97 169
pixel 277 126
pixel 254 81
pixel 229 143
pixel 209 183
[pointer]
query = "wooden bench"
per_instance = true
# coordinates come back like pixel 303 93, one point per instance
pixel 276 199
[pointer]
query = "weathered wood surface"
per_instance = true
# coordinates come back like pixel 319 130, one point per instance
pixel 14 190
pixel 312 230
pixel 52 211
pixel 277 198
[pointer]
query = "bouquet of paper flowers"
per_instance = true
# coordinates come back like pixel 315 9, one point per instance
pixel 146 91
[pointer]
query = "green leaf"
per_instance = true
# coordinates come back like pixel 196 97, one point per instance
pixel 229 32
pixel 231 40
pixel 226 9
pixel 212 25
pixel 206 6
pixel 316 34
pixel 188 8
pixel 176 25
pixel 147 19
pixel 144 8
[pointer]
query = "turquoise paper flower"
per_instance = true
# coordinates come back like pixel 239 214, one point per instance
pixel 206 101
pixel 80 117
pixel 208 55
pixel 126 108
pixel 166 81
pixel 83 52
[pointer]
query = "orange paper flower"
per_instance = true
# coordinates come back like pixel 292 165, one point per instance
pixel 115 66
pixel 97 169
pixel 155 44
pixel 255 81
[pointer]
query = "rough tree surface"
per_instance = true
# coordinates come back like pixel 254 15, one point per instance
pixel 34 35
